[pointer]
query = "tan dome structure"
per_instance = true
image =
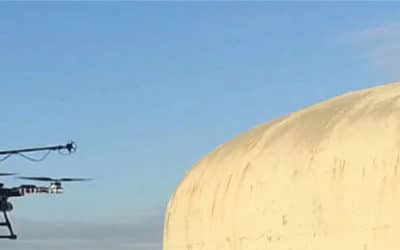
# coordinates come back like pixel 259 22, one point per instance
pixel 323 178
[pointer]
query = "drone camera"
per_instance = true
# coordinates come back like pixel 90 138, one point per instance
pixel 5 206
pixel 71 147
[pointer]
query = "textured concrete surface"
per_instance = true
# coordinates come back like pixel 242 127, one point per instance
pixel 323 178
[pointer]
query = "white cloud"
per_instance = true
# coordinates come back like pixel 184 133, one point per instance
pixel 381 32
pixel 382 45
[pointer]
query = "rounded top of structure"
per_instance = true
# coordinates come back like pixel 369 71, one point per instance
pixel 302 174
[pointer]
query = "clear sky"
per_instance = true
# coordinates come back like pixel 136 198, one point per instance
pixel 147 89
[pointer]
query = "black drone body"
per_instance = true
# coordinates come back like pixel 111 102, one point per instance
pixel 55 186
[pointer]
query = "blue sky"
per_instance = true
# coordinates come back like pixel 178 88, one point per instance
pixel 147 89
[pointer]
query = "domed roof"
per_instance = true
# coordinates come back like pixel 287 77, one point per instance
pixel 325 177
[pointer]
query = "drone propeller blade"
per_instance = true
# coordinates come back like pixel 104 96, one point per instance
pixel 36 178
pixel 74 179
pixel 55 180
pixel 7 174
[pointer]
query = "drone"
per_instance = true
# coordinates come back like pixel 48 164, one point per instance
pixel 54 187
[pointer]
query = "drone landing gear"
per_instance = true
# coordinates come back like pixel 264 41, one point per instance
pixel 6 223
pixel 6 206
